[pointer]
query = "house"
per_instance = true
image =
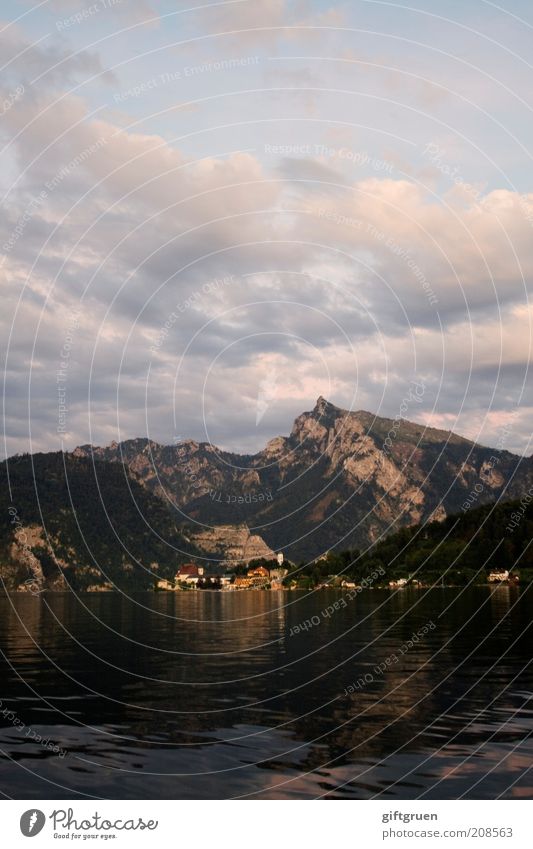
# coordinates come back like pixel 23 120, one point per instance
pixel 217 580
pixel 258 577
pixel 255 578
pixel 163 584
pixel 242 582
pixel 497 577
pixel 226 580
pixel 189 574
pixel 258 572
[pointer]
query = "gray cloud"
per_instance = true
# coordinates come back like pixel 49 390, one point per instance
pixel 131 230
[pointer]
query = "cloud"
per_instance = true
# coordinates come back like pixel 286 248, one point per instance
pixel 181 281
pixel 130 11
pixel 267 24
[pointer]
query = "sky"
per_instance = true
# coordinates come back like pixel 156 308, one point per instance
pixel 213 213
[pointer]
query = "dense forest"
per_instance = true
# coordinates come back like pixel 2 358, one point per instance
pixel 100 525
pixel 463 548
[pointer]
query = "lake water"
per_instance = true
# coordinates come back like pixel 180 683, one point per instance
pixel 219 695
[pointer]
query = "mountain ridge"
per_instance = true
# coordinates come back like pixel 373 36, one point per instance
pixel 339 478
pixel 365 415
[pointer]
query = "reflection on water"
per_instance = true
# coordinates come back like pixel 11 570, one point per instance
pixel 214 695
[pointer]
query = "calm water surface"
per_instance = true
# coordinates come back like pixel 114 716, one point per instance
pixel 214 695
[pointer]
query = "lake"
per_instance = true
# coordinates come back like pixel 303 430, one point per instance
pixel 209 695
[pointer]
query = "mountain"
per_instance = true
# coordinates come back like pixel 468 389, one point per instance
pixel 66 522
pixel 340 480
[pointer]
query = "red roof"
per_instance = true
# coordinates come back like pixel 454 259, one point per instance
pixel 190 569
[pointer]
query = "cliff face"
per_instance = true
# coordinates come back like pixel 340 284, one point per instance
pixel 230 544
pixel 340 479
pixel 179 472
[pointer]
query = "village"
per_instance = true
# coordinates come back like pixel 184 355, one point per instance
pixel 268 575
pixel 274 575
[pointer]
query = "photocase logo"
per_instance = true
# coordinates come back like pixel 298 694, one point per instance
pixel 32 822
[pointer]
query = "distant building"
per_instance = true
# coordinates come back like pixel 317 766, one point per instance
pixel 259 577
pixel 497 577
pixel 222 579
pixel 190 573
pixel 258 572
pixel 279 558
pixel 227 579
pixel 242 582
pixel 163 584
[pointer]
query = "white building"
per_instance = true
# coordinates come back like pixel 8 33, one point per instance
pixel 190 574
pixel 496 577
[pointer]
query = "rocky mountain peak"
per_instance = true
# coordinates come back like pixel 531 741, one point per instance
pixel 340 474
pixel 326 408
pixel 318 426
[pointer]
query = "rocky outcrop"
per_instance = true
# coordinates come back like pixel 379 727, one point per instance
pixel 231 544
pixel 30 556
pixel 21 553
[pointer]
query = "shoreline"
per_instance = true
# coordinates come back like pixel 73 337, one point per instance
pixel 314 590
